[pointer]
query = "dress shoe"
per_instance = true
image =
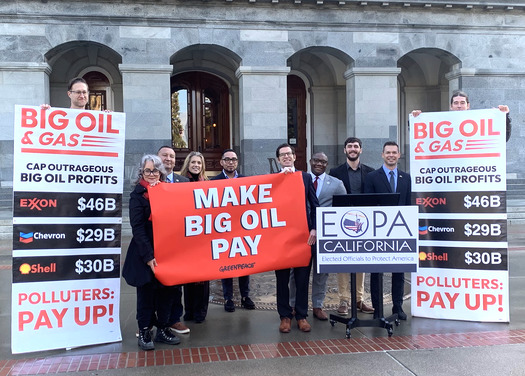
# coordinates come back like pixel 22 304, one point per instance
pixel 343 309
pixel 285 326
pixel 229 306
pixel 401 315
pixel 303 325
pixel 320 314
pixel 180 328
pixel 365 308
pixel 247 303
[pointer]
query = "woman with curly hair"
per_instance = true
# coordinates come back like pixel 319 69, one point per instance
pixel 140 263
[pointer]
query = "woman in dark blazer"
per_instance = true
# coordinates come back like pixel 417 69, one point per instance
pixel 153 299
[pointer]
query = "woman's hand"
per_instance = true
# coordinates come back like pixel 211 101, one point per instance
pixel 312 237
pixel 152 264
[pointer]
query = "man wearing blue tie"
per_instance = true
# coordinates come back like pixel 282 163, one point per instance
pixel 389 179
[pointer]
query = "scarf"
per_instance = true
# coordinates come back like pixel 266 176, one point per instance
pixel 145 184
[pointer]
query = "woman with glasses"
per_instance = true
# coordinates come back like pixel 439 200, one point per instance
pixel 196 295
pixel 140 263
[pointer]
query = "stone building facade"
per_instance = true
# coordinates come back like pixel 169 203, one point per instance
pixel 251 74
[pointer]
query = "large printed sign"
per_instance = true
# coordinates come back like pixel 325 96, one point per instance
pixel 367 239
pixel 229 228
pixel 459 184
pixel 67 218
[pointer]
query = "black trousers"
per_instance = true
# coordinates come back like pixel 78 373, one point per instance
pixel 244 287
pixel 176 306
pixel 154 302
pixel 302 280
pixel 196 298
pixel 398 286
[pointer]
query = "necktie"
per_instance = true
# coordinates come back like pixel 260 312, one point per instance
pixel 168 180
pixel 315 183
pixel 392 182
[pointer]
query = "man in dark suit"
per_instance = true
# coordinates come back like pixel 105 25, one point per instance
pixel 167 156
pixel 229 163
pixel 326 187
pixel 388 179
pixel 352 173
pixel 285 155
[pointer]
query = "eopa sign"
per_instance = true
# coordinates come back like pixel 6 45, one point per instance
pixel 367 239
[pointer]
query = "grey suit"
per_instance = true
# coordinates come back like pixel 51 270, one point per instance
pixel 331 186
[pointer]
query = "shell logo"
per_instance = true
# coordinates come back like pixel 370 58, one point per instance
pixel 422 256
pixel 25 268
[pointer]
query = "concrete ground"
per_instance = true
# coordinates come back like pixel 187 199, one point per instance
pixel 248 342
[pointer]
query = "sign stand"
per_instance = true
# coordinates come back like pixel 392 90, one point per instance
pixel 379 321
pixel 355 322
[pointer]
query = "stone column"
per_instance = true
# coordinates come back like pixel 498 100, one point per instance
pixel 146 101
pixel 263 115
pixel 25 84
pixel 372 109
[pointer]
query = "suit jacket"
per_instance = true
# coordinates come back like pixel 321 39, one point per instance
pixel 222 176
pixel 378 182
pixel 341 173
pixel 179 178
pixel 311 200
pixel 135 271
pixel 331 186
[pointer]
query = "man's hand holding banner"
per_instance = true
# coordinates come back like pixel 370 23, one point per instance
pixel 229 228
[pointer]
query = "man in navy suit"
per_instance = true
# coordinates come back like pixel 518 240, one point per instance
pixel 352 173
pixel 326 187
pixel 229 163
pixel 388 179
pixel 285 155
pixel 167 156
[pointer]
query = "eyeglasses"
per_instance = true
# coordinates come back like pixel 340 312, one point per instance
pixel 289 154
pixel 228 160
pixel 78 92
pixel 149 172
pixel 319 161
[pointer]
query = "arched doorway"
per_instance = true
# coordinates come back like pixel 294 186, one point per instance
pixel 423 85
pixel 200 117
pixel 319 73
pixel 297 119
pixel 96 63
pixel 98 90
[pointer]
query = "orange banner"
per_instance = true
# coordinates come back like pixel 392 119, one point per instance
pixel 229 228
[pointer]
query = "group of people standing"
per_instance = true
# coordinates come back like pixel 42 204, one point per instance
pixel 351 177
pixel 161 306
pixel 158 305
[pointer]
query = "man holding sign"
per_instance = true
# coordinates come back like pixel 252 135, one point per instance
pixel 285 156
pixel 460 102
pixel 229 163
